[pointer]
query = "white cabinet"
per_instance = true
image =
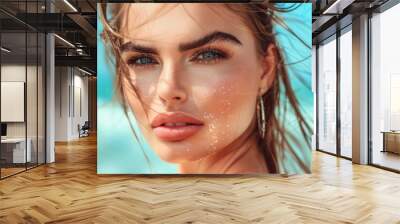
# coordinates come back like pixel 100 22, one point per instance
pixel 19 155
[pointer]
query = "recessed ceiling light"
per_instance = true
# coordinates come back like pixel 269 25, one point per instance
pixel 337 7
pixel 70 5
pixel 5 49
pixel 64 40
pixel 84 71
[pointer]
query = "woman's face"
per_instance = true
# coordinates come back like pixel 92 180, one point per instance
pixel 197 74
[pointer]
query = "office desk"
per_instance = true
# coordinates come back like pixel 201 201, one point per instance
pixel 16 147
pixel 391 141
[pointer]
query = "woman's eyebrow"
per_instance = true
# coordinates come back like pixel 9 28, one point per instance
pixel 130 46
pixel 209 38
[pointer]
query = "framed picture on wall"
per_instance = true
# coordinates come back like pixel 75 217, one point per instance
pixel 12 101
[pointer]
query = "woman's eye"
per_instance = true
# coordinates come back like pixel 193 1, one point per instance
pixel 142 61
pixel 209 55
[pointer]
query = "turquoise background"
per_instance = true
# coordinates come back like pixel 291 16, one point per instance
pixel 120 153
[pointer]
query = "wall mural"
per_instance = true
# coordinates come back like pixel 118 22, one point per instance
pixel 204 88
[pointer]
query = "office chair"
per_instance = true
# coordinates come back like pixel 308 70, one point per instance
pixel 84 130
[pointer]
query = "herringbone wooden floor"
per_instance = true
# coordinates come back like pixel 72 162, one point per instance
pixel 70 191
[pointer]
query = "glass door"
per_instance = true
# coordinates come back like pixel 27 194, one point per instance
pixel 327 96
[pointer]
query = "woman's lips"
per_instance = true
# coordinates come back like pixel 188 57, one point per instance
pixel 175 126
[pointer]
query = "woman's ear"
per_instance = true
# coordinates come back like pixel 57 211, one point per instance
pixel 269 64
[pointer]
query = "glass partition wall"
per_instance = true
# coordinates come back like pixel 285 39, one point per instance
pixel 334 94
pixel 334 87
pixel 345 61
pixel 385 90
pixel 22 77
pixel 13 90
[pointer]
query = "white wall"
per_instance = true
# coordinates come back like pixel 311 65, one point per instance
pixel 62 81
pixel 33 127
pixel 16 73
pixel 71 87
pixel 12 73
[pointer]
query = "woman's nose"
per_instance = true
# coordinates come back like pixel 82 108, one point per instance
pixel 170 87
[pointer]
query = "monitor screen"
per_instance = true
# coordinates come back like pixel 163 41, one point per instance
pixel 3 129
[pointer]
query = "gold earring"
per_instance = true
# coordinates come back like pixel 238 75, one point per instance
pixel 261 117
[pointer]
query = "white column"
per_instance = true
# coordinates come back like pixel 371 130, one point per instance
pixel 50 92
pixel 314 90
pixel 360 90
pixel 50 99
